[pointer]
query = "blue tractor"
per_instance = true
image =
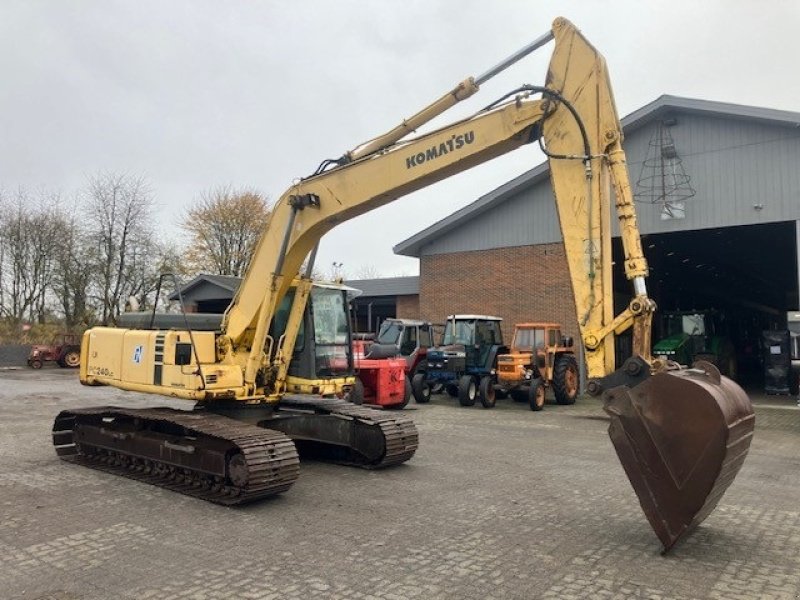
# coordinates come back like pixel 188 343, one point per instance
pixel 466 362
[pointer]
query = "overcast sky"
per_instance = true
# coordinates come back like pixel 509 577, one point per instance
pixel 193 95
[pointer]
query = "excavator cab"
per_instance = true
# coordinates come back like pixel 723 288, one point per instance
pixel 322 360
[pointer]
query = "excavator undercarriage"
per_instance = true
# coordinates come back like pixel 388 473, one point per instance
pixel 231 454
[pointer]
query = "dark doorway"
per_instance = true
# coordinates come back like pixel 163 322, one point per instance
pixel 746 274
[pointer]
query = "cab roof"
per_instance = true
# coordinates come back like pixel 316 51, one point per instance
pixel 408 321
pixel 473 318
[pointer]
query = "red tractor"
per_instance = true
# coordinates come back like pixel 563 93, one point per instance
pixel 408 339
pixel 65 350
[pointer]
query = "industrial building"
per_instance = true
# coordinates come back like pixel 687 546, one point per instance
pixel 718 203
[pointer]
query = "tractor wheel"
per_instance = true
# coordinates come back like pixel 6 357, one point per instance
pixel 794 383
pixel 566 381
pixel 467 390
pixel 452 390
pixel 356 395
pixel 536 394
pixel 36 363
pixel 71 359
pixel 487 391
pixel 422 391
pixel 519 395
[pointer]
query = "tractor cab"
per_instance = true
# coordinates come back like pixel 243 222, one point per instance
pixel 696 335
pixel 406 338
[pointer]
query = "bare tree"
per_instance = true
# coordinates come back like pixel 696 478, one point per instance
pixel 29 232
pixel 119 209
pixel 74 274
pixel 225 225
pixel 368 272
pixel 146 271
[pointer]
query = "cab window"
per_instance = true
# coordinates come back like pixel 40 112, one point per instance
pixel 409 343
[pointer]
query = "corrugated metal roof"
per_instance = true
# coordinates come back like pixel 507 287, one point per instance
pixel 660 107
pixel 386 286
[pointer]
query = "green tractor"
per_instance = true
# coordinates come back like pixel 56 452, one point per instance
pixel 696 335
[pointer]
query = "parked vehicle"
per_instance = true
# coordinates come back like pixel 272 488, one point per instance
pixel 65 350
pixel 409 339
pixel 697 335
pixel 540 357
pixel 465 362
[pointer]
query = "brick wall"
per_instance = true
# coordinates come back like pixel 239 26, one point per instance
pixel 522 283
pixel 407 307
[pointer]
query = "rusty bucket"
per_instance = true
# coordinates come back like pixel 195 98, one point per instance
pixel 681 436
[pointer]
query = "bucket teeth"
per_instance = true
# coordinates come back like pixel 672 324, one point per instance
pixel 681 437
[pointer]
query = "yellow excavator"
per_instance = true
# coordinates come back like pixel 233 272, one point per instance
pixel 269 377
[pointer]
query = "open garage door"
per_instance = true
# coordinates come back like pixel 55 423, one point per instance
pixel 744 279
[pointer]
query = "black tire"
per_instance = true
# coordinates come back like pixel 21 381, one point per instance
pixel 467 390
pixel 421 388
pixel 536 393
pixel 36 363
pixel 794 383
pixel 356 395
pixel 501 394
pixel 519 395
pixel 566 379
pixel 452 390
pixel 487 392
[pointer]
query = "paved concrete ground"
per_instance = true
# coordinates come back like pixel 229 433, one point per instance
pixel 496 504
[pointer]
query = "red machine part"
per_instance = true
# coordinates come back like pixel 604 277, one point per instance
pixel 384 379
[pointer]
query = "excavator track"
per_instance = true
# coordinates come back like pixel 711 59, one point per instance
pixel 338 431
pixel 200 454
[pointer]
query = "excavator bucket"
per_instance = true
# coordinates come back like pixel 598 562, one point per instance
pixel 682 436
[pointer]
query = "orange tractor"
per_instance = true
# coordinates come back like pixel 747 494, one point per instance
pixel 540 357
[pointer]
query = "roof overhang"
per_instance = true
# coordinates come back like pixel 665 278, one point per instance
pixel 659 108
